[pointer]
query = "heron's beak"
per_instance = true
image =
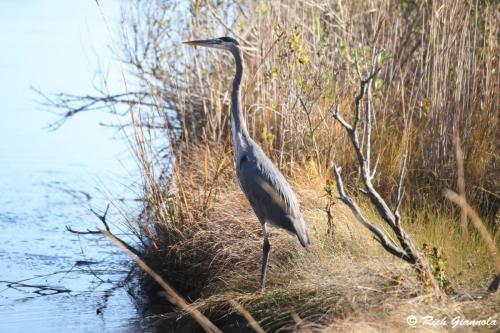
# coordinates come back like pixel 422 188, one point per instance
pixel 203 42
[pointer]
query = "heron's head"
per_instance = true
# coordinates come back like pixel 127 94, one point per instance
pixel 225 43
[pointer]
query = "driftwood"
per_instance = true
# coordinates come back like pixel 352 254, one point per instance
pixel 404 248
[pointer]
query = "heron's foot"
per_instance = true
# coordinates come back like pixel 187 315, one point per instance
pixel 261 290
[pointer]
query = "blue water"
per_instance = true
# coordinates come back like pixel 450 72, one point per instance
pixel 44 176
pixel 34 242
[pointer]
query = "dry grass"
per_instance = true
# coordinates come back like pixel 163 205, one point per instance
pixel 465 257
pixel 344 282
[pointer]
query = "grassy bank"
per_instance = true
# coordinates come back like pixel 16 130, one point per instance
pixel 345 281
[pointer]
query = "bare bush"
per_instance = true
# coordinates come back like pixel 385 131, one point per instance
pixel 363 117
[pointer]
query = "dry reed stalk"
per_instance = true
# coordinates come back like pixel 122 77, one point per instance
pixel 172 295
pixel 466 210
pixel 248 316
pixel 482 230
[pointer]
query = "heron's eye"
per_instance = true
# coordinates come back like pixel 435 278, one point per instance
pixel 229 40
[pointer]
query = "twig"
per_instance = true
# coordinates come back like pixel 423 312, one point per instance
pixel 102 218
pixel 379 234
pixel 42 289
pixel 338 117
pixel 78 232
pixel 400 190
pixel 307 111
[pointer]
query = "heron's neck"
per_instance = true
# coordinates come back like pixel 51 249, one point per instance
pixel 238 125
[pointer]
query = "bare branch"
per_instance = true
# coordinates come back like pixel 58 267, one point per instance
pixel 43 290
pixel 338 117
pixel 307 111
pixel 381 237
pixel 102 217
pixel 406 250
pixel 78 232
pixel 368 127
pixel 374 171
pixel 361 94
pixel 71 105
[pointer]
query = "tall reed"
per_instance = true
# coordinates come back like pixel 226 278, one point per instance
pixel 440 76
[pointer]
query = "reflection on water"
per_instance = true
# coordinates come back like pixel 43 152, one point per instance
pixel 85 273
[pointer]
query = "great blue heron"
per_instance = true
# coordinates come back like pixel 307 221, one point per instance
pixel 268 192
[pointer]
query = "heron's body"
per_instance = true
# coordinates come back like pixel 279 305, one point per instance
pixel 268 192
pixel 265 187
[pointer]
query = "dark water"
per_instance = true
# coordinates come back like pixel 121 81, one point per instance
pixel 64 282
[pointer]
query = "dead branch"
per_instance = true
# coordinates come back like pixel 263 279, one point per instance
pixel 311 127
pixel 406 249
pixel 71 105
pixel 381 237
pixel 79 232
pixel 102 218
pixel 400 188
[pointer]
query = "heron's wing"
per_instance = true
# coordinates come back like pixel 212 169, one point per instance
pixel 269 193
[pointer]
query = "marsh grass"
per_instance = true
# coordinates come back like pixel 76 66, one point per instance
pixel 439 77
pixel 345 281
pixel 465 257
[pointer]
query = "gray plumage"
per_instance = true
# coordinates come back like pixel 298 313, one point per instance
pixel 265 187
pixel 269 194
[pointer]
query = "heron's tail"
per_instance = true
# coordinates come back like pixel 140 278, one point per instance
pixel 301 232
pixel 303 238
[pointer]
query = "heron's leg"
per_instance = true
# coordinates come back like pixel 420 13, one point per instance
pixel 265 256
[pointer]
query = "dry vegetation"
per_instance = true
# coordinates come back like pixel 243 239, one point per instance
pixel 439 78
pixel 345 281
